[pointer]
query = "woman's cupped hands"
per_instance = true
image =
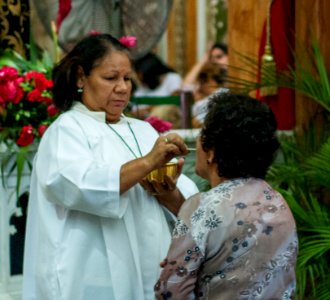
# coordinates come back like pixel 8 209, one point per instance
pixel 166 148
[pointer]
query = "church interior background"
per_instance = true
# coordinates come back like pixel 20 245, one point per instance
pixel 190 27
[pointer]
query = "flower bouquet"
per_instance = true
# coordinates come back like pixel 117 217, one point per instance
pixel 26 110
pixel 26 106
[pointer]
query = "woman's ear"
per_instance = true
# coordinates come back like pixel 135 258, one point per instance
pixel 80 77
pixel 210 156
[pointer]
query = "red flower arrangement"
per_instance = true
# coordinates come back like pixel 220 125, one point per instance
pixel 26 105
pixel 160 125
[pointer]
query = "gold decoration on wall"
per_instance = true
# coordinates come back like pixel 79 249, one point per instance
pixel 14 18
pixel 178 35
pixel 210 17
pixel 268 64
pixel 176 38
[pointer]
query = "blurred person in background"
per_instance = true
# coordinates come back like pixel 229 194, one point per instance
pixel 155 78
pixel 217 53
pixel 211 79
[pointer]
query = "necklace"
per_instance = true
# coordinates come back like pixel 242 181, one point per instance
pixel 122 139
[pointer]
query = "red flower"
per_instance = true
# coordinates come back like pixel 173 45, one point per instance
pixel 8 73
pixel 26 136
pixel 25 100
pixel 128 41
pixel 10 90
pixel 159 124
pixel 38 80
pixel 47 100
pixel 41 130
pixel 34 96
pixel 52 110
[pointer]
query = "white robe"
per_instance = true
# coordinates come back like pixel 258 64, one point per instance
pixel 84 240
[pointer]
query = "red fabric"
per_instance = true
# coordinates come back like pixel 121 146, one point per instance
pixel 282 42
pixel 64 7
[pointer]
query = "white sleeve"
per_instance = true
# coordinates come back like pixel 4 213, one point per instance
pixel 70 177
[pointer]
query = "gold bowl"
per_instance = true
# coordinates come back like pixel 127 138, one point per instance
pixel 169 169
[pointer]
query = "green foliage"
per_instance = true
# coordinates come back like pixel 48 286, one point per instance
pixel 309 77
pixel 302 175
pixel 41 63
pixel 15 159
pixel 319 166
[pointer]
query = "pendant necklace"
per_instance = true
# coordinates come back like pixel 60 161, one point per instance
pixel 122 139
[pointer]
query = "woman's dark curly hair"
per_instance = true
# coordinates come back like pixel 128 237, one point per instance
pixel 242 132
pixel 86 54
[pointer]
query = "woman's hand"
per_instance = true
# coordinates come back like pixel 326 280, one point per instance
pixel 166 148
pixel 166 192
pixel 159 188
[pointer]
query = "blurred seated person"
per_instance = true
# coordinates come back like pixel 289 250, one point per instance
pixel 218 53
pixel 211 79
pixel 155 79
pixel 169 113
pixel 237 240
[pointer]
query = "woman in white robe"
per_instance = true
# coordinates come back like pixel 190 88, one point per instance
pixel 93 229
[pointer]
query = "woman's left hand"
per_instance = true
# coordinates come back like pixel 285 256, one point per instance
pixel 159 188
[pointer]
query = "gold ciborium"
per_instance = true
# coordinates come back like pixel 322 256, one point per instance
pixel 170 169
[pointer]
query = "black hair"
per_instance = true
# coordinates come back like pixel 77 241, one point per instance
pixel 220 46
pixel 242 132
pixel 211 70
pixel 86 54
pixel 151 68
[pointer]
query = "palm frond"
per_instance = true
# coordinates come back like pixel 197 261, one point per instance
pixel 319 166
pixel 323 291
pixel 309 76
pixel 313 247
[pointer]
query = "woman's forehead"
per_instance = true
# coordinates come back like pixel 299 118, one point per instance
pixel 114 59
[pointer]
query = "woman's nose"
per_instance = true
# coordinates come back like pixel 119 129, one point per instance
pixel 122 85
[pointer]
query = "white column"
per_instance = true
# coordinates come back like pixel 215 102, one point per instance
pixel 201 28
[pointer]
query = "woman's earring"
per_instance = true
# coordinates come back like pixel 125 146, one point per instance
pixel 80 90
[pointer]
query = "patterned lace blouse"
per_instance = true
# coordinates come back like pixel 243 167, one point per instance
pixel 236 241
